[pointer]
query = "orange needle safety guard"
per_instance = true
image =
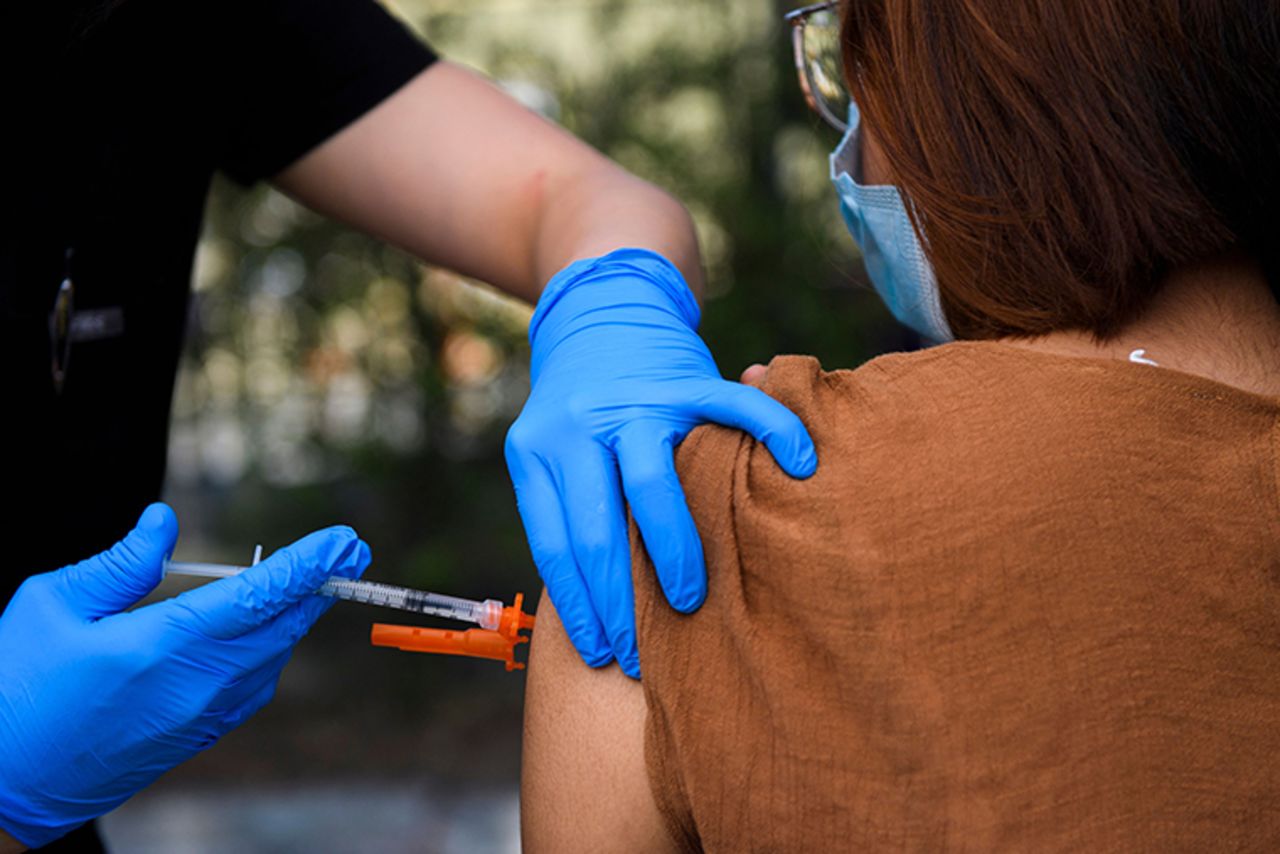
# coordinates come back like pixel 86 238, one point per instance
pixel 499 644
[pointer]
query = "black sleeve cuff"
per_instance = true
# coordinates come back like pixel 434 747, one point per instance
pixel 315 70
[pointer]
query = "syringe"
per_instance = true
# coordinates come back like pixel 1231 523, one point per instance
pixel 487 614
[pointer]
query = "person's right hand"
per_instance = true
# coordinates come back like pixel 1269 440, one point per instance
pixel 96 702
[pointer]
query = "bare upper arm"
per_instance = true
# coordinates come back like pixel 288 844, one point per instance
pixel 584 786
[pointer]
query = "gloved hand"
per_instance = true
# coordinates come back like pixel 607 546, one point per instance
pixel 620 377
pixel 96 704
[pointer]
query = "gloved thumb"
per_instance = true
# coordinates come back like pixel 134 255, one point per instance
pixel 231 607
pixel 767 420
pixel 110 582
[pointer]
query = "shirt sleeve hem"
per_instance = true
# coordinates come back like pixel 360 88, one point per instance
pixel 341 109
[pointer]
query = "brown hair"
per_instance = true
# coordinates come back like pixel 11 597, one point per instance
pixel 1060 157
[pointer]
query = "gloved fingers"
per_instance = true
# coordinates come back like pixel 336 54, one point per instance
pixel 250 707
pixel 597 526
pixel 312 608
pixel 657 502
pixel 253 704
pixel 235 658
pixel 110 582
pixel 249 686
pixel 305 614
pixel 544 525
pixel 750 409
pixel 231 607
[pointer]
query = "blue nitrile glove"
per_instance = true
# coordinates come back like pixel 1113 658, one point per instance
pixel 95 704
pixel 620 377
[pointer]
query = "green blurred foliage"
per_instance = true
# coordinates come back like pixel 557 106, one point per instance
pixel 330 378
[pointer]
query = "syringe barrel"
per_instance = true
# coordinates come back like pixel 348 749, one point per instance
pixel 486 614
pixel 369 592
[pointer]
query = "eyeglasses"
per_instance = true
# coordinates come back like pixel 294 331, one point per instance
pixel 815 37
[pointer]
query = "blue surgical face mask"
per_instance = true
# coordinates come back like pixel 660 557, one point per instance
pixel 895 260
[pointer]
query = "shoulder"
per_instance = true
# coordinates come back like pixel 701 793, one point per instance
pixel 964 496
pixel 867 417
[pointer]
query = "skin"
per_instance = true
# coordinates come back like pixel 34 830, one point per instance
pixel 1215 319
pixel 584 740
pixel 583 786
pixel 9 845
pixel 426 171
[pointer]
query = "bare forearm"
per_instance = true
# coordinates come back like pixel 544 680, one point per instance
pixel 9 845
pixel 606 209
pixel 456 172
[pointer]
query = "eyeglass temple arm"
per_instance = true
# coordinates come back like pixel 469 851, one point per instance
pixel 797 19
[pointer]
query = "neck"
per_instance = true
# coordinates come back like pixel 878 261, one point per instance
pixel 1217 319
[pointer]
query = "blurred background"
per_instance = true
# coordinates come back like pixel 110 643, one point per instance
pixel 329 378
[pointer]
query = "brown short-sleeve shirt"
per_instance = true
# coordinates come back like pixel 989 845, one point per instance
pixel 1027 602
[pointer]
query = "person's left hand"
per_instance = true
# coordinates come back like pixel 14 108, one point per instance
pixel 620 377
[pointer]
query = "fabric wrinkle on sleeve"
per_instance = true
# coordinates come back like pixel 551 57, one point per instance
pixel 667 638
pixel 295 73
pixel 689 661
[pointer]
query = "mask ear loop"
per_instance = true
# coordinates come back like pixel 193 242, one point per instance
pixel 925 268
pixel 844 159
pixel 844 164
